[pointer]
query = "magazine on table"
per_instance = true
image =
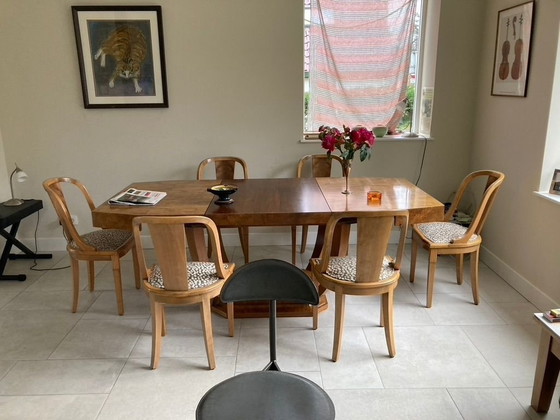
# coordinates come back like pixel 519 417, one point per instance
pixel 134 197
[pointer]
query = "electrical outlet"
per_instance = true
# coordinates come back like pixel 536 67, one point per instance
pixel 74 219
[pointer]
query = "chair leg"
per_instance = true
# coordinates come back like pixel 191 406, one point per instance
pixel 413 255
pixel 431 278
pixel 231 319
pixel 387 304
pixel 206 317
pixel 340 303
pixel 459 265
pixel 118 283
pixel 135 268
pixel 163 321
pixel 76 281
pixel 244 238
pixel 315 310
pixel 381 315
pixel 304 230
pixel 294 244
pixel 157 314
pixel 91 275
pixel 474 275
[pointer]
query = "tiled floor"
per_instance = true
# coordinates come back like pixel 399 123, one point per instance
pixel 454 361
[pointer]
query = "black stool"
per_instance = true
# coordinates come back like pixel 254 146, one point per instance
pixel 268 394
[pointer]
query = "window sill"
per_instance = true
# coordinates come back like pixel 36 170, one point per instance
pixel 547 196
pixel 312 138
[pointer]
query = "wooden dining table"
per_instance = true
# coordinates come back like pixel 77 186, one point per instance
pixel 275 202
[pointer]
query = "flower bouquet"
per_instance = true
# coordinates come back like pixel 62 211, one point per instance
pixel 348 142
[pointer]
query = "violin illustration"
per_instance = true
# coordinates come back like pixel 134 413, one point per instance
pixel 518 50
pixel 504 65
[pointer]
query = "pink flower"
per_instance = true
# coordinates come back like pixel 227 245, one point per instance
pixel 360 136
pixel 329 142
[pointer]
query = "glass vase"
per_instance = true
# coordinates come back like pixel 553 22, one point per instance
pixel 346 169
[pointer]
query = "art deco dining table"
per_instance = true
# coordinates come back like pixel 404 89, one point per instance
pixel 275 202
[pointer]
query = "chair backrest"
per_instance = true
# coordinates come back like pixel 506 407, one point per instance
pixel 170 243
pixel 373 234
pixel 320 165
pixel 270 280
pixel 54 188
pixel 224 167
pixel 494 181
pixel 267 280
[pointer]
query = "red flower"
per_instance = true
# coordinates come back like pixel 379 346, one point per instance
pixel 358 139
pixel 360 136
pixel 329 142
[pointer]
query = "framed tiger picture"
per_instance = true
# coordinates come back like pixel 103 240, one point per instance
pixel 121 56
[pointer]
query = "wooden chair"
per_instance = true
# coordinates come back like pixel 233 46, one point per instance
pixel 224 168
pixel 270 393
pixel 449 238
pixel 317 166
pixel 98 245
pixel 369 272
pixel 173 280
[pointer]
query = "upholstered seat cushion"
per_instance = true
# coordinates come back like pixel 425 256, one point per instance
pixel 200 274
pixel 344 268
pixel 443 232
pixel 106 239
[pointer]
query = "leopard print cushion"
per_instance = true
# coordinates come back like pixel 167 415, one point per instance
pixel 344 268
pixel 200 274
pixel 443 232
pixel 106 239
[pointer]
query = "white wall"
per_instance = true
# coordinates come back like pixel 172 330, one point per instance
pixel 522 234
pixel 5 193
pixel 234 73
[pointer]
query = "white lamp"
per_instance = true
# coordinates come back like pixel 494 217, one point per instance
pixel 20 177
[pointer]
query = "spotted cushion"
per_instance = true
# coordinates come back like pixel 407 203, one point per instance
pixel 106 239
pixel 200 274
pixel 344 268
pixel 443 232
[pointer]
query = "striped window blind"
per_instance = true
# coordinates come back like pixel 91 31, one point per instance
pixel 359 60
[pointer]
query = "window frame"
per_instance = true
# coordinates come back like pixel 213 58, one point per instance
pixel 424 73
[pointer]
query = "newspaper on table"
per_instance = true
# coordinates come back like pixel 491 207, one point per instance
pixel 134 197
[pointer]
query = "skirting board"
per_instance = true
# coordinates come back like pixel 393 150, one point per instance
pixel 529 291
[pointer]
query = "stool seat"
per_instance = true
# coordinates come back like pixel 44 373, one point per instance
pixel 266 395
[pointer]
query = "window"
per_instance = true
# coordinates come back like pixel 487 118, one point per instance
pixel 361 63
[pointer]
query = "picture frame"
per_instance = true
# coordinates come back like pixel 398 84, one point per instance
pixel 555 183
pixel 513 50
pixel 121 56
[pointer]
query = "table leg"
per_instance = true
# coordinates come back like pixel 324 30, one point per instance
pixel 546 372
pixel 196 242
pixel 27 253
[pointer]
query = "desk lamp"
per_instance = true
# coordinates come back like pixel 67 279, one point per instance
pixel 21 177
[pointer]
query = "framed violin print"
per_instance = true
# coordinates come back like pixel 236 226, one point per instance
pixel 513 48
pixel 121 57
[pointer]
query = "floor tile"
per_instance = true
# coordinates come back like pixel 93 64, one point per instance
pixel 431 357
pixel 50 377
pixel 488 404
pixel 511 350
pixel 95 339
pixel 394 404
pixel 51 407
pixel 170 392
pixel 33 335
